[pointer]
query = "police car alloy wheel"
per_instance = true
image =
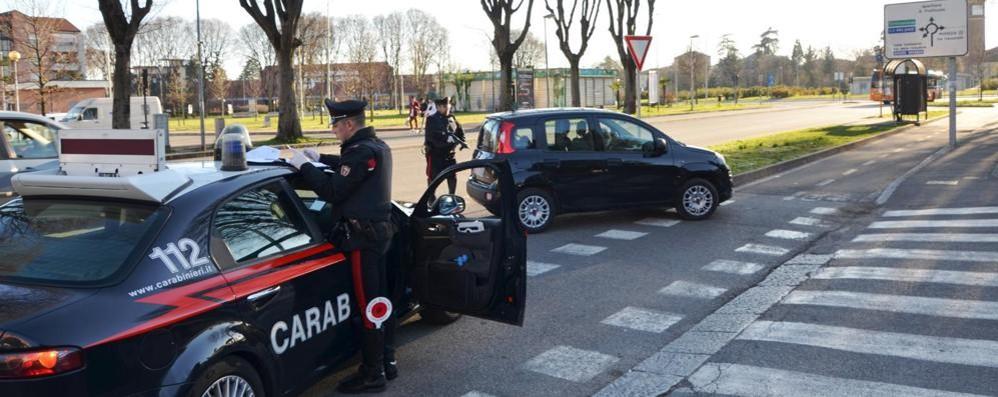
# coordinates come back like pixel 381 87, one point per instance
pixel 229 386
pixel 535 210
pixel 698 200
pixel 229 377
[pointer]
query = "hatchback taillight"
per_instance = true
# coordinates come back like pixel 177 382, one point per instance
pixel 38 363
pixel 505 144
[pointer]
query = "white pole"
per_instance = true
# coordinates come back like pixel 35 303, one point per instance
pixel 197 5
pixel 952 102
pixel 17 90
pixel 547 68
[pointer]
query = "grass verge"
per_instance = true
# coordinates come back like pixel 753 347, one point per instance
pixel 751 154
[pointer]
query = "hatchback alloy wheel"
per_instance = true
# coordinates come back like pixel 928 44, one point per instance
pixel 534 211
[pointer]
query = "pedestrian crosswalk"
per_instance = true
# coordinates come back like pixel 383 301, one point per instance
pixel 901 292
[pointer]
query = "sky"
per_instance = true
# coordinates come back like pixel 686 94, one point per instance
pixel 843 25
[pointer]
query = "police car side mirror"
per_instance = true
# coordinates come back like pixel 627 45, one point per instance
pixel 449 204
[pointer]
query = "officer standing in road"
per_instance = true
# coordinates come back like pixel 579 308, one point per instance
pixel 358 185
pixel 443 134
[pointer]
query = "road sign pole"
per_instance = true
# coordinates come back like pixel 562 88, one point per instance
pixel 952 102
pixel 637 91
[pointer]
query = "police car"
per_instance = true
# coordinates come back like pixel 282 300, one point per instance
pixel 122 275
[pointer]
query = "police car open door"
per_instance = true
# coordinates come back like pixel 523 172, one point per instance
pixel 468 253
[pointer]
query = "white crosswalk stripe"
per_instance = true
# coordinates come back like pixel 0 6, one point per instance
pixel 929 237
pixel 762 249
pixel 570 363
pixel 642 319
pixel 788 234
pixel 940 307
pixel 692 290
pixel 968 223
pixel 824 211
pixel 615 234
pixel 940 349
pixel 896 253
pixel 658 222
pixel 733 267
pixel 538 268
pixel 943 211
pixel 746 380
pixel 807 221
pixel 908 275
pixel 579 249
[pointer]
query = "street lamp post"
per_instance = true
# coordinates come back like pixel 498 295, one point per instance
pixel 197 5
pixel 14 56
pixel 692 72
pixel 547 68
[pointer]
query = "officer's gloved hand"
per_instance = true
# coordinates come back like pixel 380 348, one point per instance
pixel 450 139
pixel 312 154
pixel 297 159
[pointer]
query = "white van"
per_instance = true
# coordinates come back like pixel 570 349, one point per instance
pixel 95 113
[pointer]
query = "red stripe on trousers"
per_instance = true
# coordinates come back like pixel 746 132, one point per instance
pixel 358 287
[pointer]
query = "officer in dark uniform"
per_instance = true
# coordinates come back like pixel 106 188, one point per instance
pixel 443 134
pixel 358 185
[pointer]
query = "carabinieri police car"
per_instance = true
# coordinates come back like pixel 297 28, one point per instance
pixel 122 275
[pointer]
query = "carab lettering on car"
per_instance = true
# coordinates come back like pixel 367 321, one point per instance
pixel 317 321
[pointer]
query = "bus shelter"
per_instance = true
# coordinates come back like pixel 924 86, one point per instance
pixel 910 82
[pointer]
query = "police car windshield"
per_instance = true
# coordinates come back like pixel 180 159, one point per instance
pixel 71 242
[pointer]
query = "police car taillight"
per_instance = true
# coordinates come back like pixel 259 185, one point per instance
pixel 38 363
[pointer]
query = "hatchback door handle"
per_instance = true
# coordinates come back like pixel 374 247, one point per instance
pixel 258 298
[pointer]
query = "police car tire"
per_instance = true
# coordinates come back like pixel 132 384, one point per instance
pixel 552 209
pixel 692 183
pixel 230 365
pixel 438 316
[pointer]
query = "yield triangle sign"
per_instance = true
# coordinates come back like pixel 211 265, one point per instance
pixel 639 48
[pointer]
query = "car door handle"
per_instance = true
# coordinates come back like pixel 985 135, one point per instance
pixel 262 297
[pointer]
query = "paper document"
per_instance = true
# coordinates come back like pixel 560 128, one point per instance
pixel 263 154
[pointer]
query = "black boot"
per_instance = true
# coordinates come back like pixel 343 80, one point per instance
pixel 391 369
pixel 370 377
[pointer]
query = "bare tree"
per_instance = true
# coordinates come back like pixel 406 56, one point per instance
pixel 624 22
pixel 282 38
pixel 255 45
pixel 362 49
pixel 122 31
pixel 37 37
pixel 391 36
pixel 531 53
pixel 423 28
pixel 99 52
pixel 500 12
pixel 163 38
pixel 587 16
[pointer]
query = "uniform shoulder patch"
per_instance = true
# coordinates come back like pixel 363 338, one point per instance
pixel 344 170
pixel 372 163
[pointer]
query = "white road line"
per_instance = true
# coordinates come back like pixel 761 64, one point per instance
pixel 727 203
pixel 615 234
pixel 977 352
pixel 929 237
pixel 788 235
pixel 733 267
pixel 579 249
pixel 825 182
pixel 941 223
pixel 569 363
pixel 658 222
pixel 692 290
pixel 789 198
pixel 939 307
pixel 883 156
pixel 896 253
pixel 476 393
pixel 642 319
pixel 746 380
pixel 972 177
pixel 908 275
pixel 538 268
pixel 824 211
pixel 948 183
pixel 898 150
pixel 806 221
pixel 943 211
pixel 849 172
pixel 762 249
pixel 869 163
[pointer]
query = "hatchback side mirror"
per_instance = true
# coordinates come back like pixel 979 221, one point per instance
pixel 449 204
pixel 656 148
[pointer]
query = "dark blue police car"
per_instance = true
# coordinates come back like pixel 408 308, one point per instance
pixel 193 281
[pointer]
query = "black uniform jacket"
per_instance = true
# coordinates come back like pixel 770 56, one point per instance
pixel 438 128
pixel 358 184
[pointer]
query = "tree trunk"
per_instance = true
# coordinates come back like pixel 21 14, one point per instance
pixel 288 125
pixel 506 82
pixel 630 87
pixel 121 106
pixel 573 63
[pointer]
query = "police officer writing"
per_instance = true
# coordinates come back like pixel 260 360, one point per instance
pixel 443 134
pixel 358 185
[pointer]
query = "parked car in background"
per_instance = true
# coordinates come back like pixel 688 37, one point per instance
pixel 95 113
pixel 28 142
pixel 577 160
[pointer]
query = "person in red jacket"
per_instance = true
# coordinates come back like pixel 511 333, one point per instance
pixel 414 112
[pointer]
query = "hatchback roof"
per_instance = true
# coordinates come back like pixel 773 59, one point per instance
pixel 545 111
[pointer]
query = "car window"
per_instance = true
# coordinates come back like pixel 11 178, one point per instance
pixel 624 136
pixel 523 138
pixel 90 114
pixel 488 137
pixel 30 140
pixel 568 135
pixel 260 223
pixel 75 242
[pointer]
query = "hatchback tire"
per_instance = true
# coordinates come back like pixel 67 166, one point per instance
pixel 229 377
pixel 697 200
pixel 535 210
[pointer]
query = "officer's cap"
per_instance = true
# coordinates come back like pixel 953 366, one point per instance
pixel 442 101
pixel 344 109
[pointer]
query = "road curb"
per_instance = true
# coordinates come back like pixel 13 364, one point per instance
pixel 768 171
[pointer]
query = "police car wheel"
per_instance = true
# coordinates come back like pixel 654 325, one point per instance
pixel 438 317
pixel 535 210
pixel 230 377
pixel 697 200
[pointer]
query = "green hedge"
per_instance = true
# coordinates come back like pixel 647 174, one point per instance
pixel 780 91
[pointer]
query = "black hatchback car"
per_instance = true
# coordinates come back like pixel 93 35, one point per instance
pixel 199 282
pixel 576 160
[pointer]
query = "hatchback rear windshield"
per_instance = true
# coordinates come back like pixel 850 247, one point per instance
pixel 488 139
pixel 72 242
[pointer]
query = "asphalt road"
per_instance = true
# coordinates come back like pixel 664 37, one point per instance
pixel 594 319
